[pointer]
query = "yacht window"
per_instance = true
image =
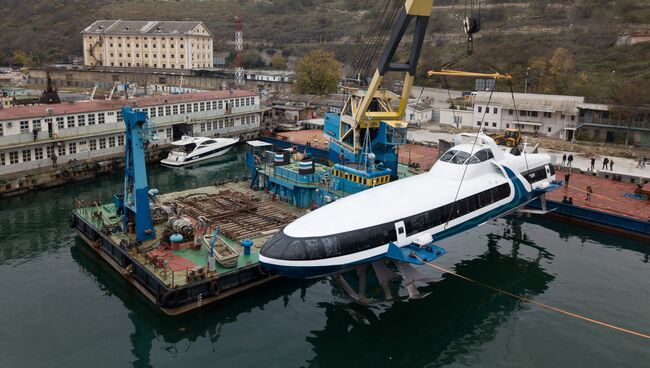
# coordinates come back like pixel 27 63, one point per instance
pixel 460 157
pixel 473 160
pixel 448 155
pixel 208 142
pixel 484 155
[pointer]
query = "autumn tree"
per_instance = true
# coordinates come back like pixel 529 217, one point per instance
pixel 22 58
pixel 318 73
pixel 278 62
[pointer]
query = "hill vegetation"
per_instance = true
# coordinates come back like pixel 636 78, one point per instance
pixel 516 35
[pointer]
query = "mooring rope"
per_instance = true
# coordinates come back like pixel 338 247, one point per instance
pixel 541 305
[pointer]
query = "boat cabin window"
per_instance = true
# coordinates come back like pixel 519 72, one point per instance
pixel 484 155
pixel 461 157
pixel 208 142
pixel 186 148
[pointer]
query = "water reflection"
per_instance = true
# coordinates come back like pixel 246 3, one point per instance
pixel 455 320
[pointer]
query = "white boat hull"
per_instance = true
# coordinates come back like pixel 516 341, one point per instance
pixel 195 160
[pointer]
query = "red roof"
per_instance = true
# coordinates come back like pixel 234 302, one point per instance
pixel 36 111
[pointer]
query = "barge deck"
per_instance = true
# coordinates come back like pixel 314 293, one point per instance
pixel 177 278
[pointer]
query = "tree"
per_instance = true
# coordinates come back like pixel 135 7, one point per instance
pixel 21 58
pixel 561 69
pixel 318 73
pixel 278 62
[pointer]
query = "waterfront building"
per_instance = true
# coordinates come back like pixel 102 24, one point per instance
pixel 34 137
pixel 148 44
pixel 550 115
pixel 614 124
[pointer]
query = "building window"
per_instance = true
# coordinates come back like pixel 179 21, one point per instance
pixel 13 158
pixel 168 110
pixel 480 109
pixel 478 123
pixel 91 119
pixel 38 153
pixel 120 140
pixel 169 133
pixel 2 159
pixel 100 118
pixel 72 148
pixel 494 125
pixel 119 116
pixel 549 129
pixel 495 110
pixel 27 155
pixel 507 126
pixel 203 127
pixel 111 141
pixel 486 123
pixel 70 120
pixel 547 114
pixel 61 150
pixel 102 143
pixel 60 123
pixel 573 118
pixel 24 126
pixel 196 107
pixel 92 145
pixel 220 104
pixel 202 106
pixel 533 114
pixel 175 110
pixel 160 111
pixel 49 151
pixel 182 108
pixel 81 119
pixel 152 112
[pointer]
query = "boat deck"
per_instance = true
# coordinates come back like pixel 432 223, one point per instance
pixel 609 195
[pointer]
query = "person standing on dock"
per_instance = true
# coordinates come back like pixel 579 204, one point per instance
pixel 567 176
pixel 593 163
pixel 611 165
pixel 589 193
pixel 605 162
pixel 640 162
pixel 570 160
pixel 563 159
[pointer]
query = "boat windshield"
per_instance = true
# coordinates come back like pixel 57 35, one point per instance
pixel 461 157
pixel 185 148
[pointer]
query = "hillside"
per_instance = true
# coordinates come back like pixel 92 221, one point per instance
pixel 514 35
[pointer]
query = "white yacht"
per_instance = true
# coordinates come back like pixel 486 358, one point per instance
pixel 191 150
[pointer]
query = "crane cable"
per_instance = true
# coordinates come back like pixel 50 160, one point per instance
pixel 539 304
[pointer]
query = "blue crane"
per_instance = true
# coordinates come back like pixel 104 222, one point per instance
pixel 134 204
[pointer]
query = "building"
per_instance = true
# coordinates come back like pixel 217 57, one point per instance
pixel 550 115
pixel 419 113
pixel 457 118
pixel 633 38
pixel 148 44
pixel 31 135
pixel 614 124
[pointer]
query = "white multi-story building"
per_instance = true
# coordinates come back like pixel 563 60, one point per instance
pixel 31 135
pixel 148 44
pixel 551 115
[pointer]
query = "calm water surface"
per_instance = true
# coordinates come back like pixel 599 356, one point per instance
pixel 63 307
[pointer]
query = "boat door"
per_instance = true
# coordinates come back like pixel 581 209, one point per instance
pixel 400 230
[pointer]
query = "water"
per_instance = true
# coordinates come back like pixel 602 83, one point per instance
pixel 62 306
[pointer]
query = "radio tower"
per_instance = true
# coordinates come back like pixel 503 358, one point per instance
pixel 239 47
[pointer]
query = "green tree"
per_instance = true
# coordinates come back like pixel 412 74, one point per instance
pixel 278 62
pixel 318 73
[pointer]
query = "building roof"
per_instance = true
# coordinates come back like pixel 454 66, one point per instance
pixel 40 111
pixel 143 27
pixel 420 106
pixel 531 101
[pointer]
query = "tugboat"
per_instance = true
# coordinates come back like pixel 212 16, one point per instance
pixel 190 150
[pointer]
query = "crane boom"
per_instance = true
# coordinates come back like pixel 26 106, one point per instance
pixel 373 108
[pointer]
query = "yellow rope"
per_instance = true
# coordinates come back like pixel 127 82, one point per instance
pixel 542 305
